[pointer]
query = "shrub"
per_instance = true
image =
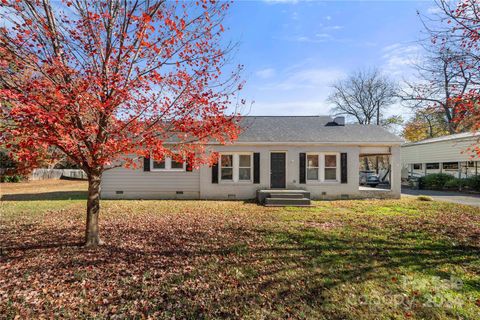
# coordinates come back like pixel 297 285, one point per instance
pixel 435 181
pixel 473 183
pixel 424 198
pixel 12 178
pixel 455 184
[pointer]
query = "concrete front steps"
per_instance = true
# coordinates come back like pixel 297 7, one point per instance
pixel 284 198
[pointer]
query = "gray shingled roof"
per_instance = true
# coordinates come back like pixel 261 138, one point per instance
pixel 310 129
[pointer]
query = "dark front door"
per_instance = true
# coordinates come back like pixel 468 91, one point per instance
pixel 277 170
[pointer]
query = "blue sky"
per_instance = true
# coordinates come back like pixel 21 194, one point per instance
pixel 293 50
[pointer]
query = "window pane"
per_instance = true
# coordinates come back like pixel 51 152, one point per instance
pixel 312 160
pixel 330 161
pixel 245 160
pixel 433 166
pixel 417 166
pixel 159 164
pixel 312 174
pixel 330 174
pixel 227 174
pixel 177 165
pixel 244 173
pixel 450 165
pixel 227 160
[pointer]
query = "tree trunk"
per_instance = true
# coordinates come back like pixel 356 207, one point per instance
pixel 366 164
pixel 92 238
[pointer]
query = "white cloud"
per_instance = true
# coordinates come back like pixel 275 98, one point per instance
pixel 266 73
pixel 332 28
pixel 291 108
pixel 318 38
pixel 323 36
pixel 302 39
pixel 309 78
pixel 328 18
pixel 281 1
pixel 399 58
pixel 300 89
pixel 434 10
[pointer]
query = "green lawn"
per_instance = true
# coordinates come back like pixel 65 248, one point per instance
pixel 208 259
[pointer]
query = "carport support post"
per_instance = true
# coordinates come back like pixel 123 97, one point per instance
pixel 396 171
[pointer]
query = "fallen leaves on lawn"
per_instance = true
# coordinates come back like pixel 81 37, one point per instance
pixel 200 259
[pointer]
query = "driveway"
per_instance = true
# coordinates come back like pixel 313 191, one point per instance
pixel 454 197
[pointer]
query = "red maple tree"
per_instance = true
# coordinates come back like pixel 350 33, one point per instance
pixel 108 82
pixel 464 20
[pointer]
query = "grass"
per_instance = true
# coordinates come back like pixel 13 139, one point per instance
pixel 424 198
pixel 392 259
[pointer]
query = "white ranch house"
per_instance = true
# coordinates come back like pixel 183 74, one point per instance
pixel 314 154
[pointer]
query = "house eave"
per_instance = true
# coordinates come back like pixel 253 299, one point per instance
pixel 310 143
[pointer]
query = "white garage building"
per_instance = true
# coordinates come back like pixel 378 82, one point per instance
pixel 448 154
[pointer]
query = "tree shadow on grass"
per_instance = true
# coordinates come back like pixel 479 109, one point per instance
pixel 305 268
pixel 292 273
pixel 56 195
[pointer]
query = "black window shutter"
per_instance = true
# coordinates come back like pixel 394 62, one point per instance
pixel 256 167
pixel 215 173
pixel 146 164
pixel 303 172
pixel 343 168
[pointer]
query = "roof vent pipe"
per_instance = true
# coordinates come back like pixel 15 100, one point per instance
pixel 340 121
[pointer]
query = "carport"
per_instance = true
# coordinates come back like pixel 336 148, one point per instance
pixel 375 161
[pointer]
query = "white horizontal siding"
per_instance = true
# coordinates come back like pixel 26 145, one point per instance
pixel 444 151
pixel 136 183
pixel 374 150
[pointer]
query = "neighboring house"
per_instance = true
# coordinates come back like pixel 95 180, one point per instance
pixel 312 153
pixel 446 154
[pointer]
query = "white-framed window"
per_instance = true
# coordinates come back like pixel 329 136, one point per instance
pixel 244 167
pixel 433 166
pixel 226 167
pixel 450 166
pixel 236 167
pixel 417 166
pixel 331 167
pixel 323 167
pixel 313 167
pixel 166 164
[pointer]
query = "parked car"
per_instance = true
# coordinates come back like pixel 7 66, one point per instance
pixel 414 176
pixel 369 178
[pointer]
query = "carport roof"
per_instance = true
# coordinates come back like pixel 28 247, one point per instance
pixel 452 137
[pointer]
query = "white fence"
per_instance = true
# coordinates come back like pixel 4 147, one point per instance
pixel 44 174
